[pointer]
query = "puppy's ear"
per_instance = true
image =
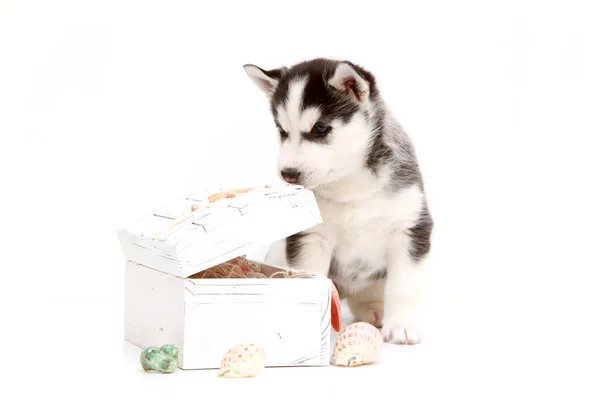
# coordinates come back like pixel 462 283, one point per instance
pixel 267 81
pixel 347 79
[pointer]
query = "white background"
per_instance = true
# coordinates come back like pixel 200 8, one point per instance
pixel 110 107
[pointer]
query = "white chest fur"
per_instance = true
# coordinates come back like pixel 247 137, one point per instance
pixel 362 232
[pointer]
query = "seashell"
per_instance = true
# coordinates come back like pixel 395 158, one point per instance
pixel 336 309
pixel 242 361
pixel 161 360
pixel 228 194
pixel 171 349
pixel 221 195
pixel 184 215
pixel 359 343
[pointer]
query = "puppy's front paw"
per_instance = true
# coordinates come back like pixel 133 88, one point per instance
pixel 396 330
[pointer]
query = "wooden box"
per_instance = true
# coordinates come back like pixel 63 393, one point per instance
pixel 290 318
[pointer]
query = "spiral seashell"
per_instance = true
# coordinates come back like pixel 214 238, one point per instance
pixel 359 343
pixel 242 361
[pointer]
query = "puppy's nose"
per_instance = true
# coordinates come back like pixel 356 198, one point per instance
pixel 290 175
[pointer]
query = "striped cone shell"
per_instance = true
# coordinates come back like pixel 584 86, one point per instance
pixel 242 361
pixel 359 343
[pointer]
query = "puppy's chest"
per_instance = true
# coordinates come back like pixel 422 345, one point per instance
pixel 360 235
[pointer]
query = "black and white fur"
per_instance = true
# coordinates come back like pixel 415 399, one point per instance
pixel 339 140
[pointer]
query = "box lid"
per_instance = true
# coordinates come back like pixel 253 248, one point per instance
pixel 195 232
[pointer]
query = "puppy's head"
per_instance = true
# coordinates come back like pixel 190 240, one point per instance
pixel 323 112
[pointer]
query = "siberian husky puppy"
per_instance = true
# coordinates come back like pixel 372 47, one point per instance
pixel 339 140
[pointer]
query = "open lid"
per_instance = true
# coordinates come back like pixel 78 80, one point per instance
pixel 195 232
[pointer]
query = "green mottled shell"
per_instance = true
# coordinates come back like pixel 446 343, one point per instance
pixel 171 349
pixel 156 359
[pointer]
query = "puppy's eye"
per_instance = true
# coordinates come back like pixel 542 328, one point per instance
pixel 321 129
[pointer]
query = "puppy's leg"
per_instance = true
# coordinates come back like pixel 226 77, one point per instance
pixel 276 254
pixel 309 250
pixel 402 299
pixel 367 305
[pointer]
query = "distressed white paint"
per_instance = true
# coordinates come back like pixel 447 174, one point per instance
pixel 289 318
pixel 154 306
pixel 218 231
